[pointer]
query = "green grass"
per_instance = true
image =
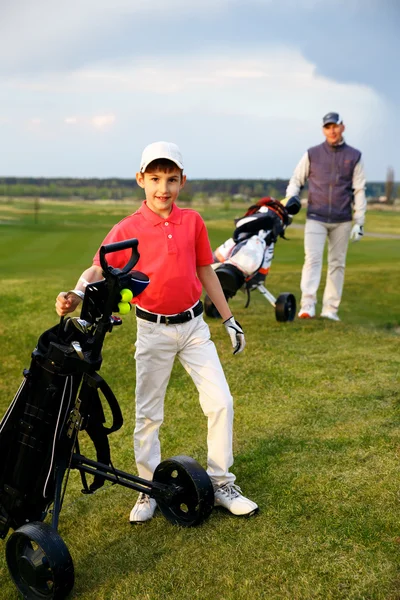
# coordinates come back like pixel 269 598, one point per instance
pixel 316 442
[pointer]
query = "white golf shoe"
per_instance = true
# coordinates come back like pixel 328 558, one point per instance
pixel 230 496
pixel 328 314
pixel 143 510
pixel 307 311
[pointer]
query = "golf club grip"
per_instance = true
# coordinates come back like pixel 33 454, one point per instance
pixel 115 247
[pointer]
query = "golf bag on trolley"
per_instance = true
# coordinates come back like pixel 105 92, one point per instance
pixel 244 260
pixel 58 397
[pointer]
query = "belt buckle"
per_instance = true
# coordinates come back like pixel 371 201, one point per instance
pixel 166 320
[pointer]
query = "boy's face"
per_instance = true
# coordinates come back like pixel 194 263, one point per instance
pixel 161 189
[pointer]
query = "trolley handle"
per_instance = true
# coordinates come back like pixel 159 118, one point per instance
pixel 115 247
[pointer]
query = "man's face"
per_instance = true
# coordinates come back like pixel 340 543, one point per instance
pixel 333 133
pixel 161 189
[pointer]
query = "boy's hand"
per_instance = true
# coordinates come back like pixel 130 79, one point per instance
pixel 66 302
pixel 236 334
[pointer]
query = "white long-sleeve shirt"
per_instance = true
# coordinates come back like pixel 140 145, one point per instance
pixel 300 176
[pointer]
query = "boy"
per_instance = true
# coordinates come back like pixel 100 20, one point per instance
pixel 176 255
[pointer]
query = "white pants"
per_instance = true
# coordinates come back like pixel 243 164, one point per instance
pixel 315 235
pixel 156 348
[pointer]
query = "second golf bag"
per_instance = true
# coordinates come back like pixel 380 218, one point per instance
pixel 244 260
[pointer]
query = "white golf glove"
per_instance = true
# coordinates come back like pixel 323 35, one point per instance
pixel 356 233
pixel 236 334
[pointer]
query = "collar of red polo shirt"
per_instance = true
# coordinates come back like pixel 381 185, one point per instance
pixel 175 216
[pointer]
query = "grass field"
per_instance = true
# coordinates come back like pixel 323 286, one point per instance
pixel 317 415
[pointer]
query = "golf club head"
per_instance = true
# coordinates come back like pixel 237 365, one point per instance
pixel 78 349
pixel 81 324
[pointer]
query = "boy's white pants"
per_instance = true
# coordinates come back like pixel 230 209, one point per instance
pixel 156 347
pixel 315 235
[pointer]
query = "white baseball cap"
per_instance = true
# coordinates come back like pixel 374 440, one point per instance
pixel 161 150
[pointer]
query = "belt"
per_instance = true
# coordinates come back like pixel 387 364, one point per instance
pixel 183 317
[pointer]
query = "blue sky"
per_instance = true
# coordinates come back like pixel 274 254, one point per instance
pixel 240 85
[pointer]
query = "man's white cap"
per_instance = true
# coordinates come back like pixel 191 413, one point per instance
pixel 161 150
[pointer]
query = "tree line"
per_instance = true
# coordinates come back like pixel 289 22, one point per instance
pixel 117 189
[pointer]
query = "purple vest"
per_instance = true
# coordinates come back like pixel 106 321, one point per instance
pixel 330 182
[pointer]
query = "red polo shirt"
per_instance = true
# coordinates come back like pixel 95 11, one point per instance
pixel 170 251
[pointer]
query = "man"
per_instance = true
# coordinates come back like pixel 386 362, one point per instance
pixel 336 196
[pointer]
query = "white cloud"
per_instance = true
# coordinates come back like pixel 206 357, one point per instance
pixel 103 121
pixel 244 74
pixel 260 109
pixel 270 82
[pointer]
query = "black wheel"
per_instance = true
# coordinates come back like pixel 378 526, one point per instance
pixel 285 307
pixel 194 500
pixel 210 308
pixel 39 562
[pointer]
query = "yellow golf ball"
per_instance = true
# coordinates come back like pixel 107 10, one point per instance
pixel 124 308
pixel 126 295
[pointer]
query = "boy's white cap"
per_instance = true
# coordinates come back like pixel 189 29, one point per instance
pixel 161 150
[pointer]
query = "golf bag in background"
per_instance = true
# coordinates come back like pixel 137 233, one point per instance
pixel 244 260
pixel 59 397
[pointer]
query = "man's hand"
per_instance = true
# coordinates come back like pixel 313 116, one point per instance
pixel 356 233
pixel 236 334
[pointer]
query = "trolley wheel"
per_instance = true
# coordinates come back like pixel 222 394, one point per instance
pixel 285 307
pixel 39 562
pixel 210 308
pixel 194 502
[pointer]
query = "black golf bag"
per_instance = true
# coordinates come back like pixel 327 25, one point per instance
pixel 244 260
pixel 59 396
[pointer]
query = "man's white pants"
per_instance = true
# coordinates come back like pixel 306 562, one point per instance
pixel 315 235
pixel 156 347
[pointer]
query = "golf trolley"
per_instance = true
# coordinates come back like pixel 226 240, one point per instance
pixel 243 261
pixel 58 397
